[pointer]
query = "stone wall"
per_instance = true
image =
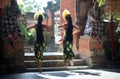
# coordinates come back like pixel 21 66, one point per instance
pixel 13 57
pixel 92 51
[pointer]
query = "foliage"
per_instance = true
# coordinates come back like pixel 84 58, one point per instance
pixel 29 5
pixel 118 32
pixel 116 15
pixel 117 41
pixel 53 5
pixel 101 2
pixel 22 25
pixel 29 34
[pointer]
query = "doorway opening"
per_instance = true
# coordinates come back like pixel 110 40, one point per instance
pixel 51 13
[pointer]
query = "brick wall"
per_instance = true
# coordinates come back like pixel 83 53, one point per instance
pixel 70 5
pixel 92 51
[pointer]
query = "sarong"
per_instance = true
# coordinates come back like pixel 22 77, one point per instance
pixel 67 50
pixel 38 49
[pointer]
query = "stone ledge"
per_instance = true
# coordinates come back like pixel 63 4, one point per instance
pixel 92 51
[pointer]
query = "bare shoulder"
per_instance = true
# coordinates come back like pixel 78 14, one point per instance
pixel 63 26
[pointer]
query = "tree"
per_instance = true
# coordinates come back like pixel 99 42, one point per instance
pixel 29 5
pixel 53 5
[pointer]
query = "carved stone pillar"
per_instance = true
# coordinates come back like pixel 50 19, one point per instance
pixel 82 7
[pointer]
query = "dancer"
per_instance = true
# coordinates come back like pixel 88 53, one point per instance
pixel 68 38
pixel 39 43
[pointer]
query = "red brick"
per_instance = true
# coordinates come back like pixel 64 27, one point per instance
pixel 70 5
pixel 87 44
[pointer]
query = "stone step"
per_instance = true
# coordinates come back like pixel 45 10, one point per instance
pixel 48 56
pixel 48 47
pixel 45 54
pixel 57 68
pixel 28 49
pixel 53 63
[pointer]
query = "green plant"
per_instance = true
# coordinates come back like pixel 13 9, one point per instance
pixel 117 31
pixel 117 40
pixel 101 2
pixel 29 34
pixel 23 28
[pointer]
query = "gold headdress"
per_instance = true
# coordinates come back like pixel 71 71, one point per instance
pixel 65 13
pixel 37 14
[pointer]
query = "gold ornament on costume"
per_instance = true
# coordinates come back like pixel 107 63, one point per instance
pixel 65 13
pixel 37 14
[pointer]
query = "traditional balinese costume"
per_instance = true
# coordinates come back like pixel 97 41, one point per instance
pixel 68 37
pixel 39 43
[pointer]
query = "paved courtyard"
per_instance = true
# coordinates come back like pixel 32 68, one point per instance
pixel 71 74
